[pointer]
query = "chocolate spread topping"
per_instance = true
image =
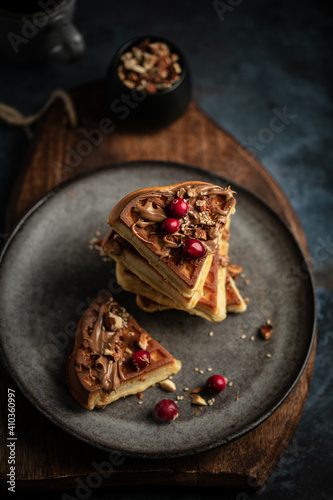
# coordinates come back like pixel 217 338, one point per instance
pixel 101 344
pixel 205 219
pixel 109 338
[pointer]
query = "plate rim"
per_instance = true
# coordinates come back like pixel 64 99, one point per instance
pixel 14 375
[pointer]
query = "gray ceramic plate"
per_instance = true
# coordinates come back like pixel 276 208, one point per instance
pixel 49 275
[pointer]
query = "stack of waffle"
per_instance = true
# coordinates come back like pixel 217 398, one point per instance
pixel 169 263
pixel 155 264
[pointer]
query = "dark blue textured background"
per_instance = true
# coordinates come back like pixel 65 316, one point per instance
pixel 263 55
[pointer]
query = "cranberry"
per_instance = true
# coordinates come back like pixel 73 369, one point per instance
pixel 166 410
pixel 178 208
pixel 215 384
pixel 169 225
pixel 141 359
pixel 193 248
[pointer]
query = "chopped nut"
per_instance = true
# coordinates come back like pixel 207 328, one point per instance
pixel 140 402
pixel 233 270
pixel 204 218
pixel 128 351
pixel 129 84
pixel 246 282
pixel 126 55
pixel 143 340
pixel 268 355
pixel 211 333
pixel 133 76
pixel 130 63
pixel 137 53
pixel 149 60
pixel 138 69
pixel 226 380
pixel 177 68
pixel 252 338
pixel 151 88
pixel 143 85
pixel 196 390
pixel 186 388
pixel 210 402
pixel 242 275
pixel 268 322
pixel 198 400
pixel 246 300
pixel 243 336
pixel 140 395
pixel 174 57
pixel 201 372
pixel 266 331
pixel 200 234
pixel 196 369
pixel 163 86
pixel 209 369
pixel 230 384
pixel 237 396
pixel 168 386
pixel 180 398
pixel 181 193
pixel 118 321
pixel 108 352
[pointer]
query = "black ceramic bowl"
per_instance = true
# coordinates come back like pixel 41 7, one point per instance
pixel 141 109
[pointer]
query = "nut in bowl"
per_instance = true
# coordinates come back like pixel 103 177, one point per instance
pixel 148 83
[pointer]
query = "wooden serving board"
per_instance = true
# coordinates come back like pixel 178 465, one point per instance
pixel 48 458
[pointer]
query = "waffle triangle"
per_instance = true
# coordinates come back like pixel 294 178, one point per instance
pixel 100 369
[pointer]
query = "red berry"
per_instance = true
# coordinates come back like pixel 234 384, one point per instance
pixel 215 384
pixel 193 248
pixel 169 225
pixel 166 410
pixel 178 208
pixel 141 359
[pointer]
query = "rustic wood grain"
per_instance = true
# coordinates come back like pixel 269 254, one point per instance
pixel 48 458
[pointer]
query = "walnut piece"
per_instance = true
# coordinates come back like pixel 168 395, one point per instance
pixel 266 331
pixel 200 234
